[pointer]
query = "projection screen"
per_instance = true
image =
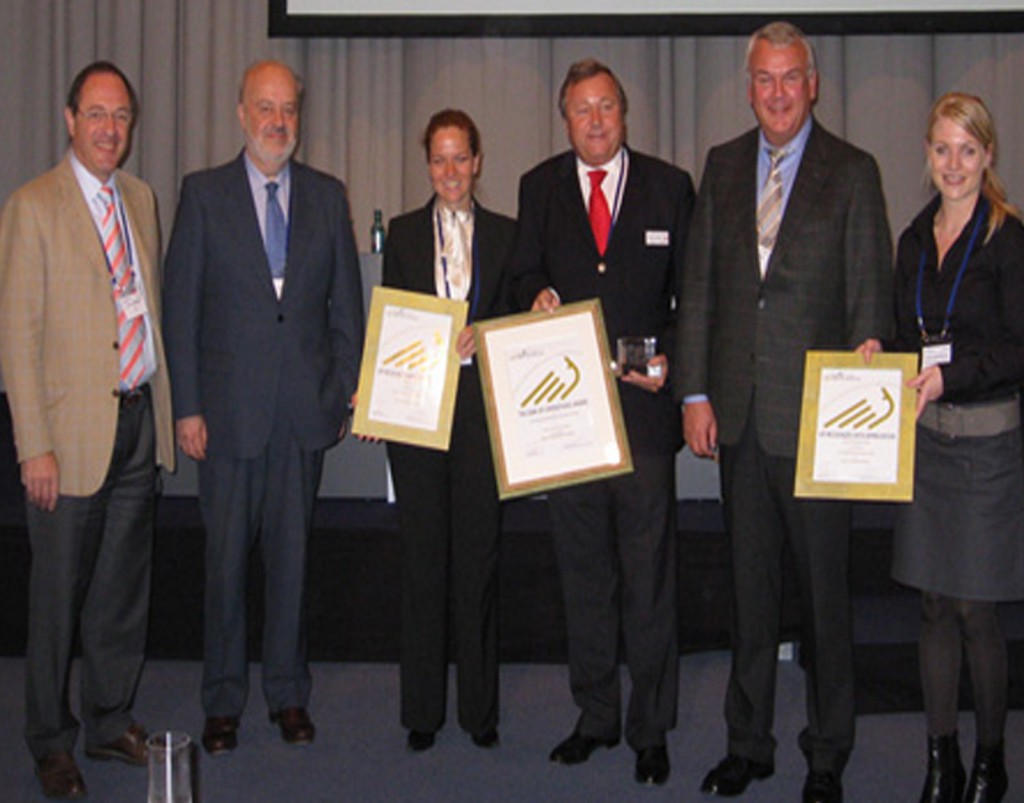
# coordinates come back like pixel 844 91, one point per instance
pixel 639 17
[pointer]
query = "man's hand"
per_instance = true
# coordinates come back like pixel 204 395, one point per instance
pixel 41 478
pixel 546 301
pixel 700 428
pixel 868 349
pixel 652 384
pixel 191 436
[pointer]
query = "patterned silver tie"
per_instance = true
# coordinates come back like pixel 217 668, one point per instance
pixel 769 212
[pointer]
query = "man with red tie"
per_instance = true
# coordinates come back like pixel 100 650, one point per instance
pixel 604 221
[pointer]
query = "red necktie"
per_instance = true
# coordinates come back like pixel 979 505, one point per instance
pixel 600 217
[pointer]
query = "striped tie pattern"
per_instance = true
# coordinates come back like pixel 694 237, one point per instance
pixel 769 211
pixel 131 332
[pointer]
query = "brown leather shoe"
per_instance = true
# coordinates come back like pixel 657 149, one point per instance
pixel 220 735
pixel 295 724
pixel 129 747
pixel 59 776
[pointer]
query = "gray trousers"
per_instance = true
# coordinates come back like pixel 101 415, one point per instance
pixel 91 559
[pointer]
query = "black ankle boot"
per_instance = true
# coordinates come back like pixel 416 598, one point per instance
pixel 945 780
pixel 988 778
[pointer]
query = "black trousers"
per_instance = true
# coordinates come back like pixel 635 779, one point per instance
pixel 91 560
pixel 763 519
pixel 267 500
pixel 450 521
pixel 615 541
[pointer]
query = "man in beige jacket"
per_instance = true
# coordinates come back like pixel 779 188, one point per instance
pixel 83 364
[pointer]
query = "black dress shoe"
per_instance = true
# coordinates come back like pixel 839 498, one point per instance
pixel 822 787
pixel 652 765
pixel 733 775
pixel 486 739
pixel 577 748
pixel 295 724
pixel 220 735
pixel 418 741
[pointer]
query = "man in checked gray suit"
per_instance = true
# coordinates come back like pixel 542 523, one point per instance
pixel 789 250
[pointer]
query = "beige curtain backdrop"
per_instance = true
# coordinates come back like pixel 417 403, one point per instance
pixel 368 100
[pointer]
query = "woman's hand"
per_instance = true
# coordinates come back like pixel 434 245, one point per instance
pixel 929 386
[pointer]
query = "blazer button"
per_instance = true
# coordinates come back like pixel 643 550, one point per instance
pixel 280 318
pixel 116 345
pixel 115 393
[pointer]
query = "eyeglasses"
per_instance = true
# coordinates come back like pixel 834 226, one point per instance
pixel 98 117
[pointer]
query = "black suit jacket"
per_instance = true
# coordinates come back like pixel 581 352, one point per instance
pixel 643 268
pixel 409 257
pixel 237 353
pixel 827 286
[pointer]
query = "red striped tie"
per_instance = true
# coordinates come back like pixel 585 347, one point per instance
pixel 131 332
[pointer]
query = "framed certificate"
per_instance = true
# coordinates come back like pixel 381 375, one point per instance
pixel 857 427
pixel 410 370
pixel 552 404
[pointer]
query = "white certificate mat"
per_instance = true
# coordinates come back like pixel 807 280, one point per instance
pixel 552 404
pixel 857 427
pixel 410 371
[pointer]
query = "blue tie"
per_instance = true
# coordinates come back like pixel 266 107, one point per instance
pixel 277 233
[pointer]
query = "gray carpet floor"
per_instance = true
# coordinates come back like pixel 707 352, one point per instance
pixel 359 754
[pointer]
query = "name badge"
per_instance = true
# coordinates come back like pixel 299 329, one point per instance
pixel 936 354
pixel 132 303
pixel 654 237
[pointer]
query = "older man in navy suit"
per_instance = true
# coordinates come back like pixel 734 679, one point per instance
pixel 264 326
pixel 614 539
pixel 790 251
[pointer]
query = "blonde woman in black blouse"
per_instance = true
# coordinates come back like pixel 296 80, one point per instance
pixel 959 294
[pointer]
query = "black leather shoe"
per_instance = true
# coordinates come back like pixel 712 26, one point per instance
pixel 295 724
pixel 486 739
pixel 945 779
pixel 733 775
pixel 988 777
pixel 652 765
pixel 577 748
pixel 822 787
pixel 418 741
pixel 220 735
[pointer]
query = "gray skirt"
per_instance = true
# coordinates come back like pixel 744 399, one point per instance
pixel 963 535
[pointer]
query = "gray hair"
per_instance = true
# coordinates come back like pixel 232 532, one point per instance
pixel 782 34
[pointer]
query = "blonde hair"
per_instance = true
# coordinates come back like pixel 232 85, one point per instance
pixel 970 113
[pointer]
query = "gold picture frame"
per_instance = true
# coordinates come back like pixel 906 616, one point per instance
pixel 857 427
pixel 410 370
pixel 553 410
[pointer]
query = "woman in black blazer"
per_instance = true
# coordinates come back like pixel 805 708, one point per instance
pixel 447 501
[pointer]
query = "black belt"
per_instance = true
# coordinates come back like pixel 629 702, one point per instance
pixel 126 399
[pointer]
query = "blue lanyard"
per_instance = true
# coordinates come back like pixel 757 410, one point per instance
pixel 474 282
pixel 956 283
